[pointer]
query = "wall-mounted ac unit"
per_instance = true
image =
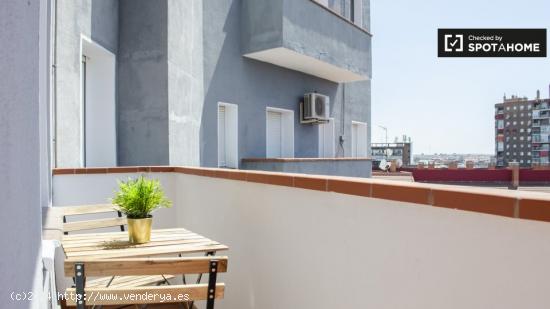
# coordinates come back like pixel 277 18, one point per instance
pixel 315 108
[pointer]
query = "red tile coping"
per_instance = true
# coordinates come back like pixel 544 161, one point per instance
pixel 304 159
pixel 513 204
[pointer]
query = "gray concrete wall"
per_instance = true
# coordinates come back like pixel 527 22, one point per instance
pixel 349 168
pixel 142 80
pixel 97 20
pixel 21 171
pixel 254 85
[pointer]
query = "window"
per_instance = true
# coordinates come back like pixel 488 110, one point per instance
pixel 228 128
pixel 279 133
pixel 500 124
pixel 358 139
pixel 521 107
pixel 349 9
pixel 98 84
pixel 327 139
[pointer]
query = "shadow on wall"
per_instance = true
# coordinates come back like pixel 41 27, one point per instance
pixel 252 85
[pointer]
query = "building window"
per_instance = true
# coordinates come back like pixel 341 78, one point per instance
pixel 228 128
pixel 528 106
pixel 279 133
pixel 349 9
pixel 358 139
pixel 521 107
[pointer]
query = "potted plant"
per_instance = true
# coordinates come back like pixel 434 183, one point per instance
pixel 137 199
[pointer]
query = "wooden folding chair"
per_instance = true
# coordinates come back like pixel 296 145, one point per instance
pixel 83 295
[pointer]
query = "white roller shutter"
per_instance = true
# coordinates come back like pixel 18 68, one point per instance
pixel 221 136
pixel 274 134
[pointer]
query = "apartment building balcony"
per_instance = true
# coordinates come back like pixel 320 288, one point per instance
pixel 306 36
pixel 541 106
pixel 330 242
pixel 541 114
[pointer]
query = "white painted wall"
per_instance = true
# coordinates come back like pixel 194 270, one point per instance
pixel 100 123
pixel 23 157
pixel 309 249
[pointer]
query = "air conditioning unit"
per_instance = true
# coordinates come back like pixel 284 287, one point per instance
pixel 315 108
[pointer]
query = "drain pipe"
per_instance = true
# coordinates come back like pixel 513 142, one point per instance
pixel 53 83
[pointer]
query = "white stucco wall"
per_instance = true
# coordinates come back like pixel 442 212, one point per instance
pixel 310 249
pixel 23 165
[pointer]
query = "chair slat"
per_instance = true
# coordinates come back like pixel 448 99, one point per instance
pixel 87 209
pixel 146 266
pixel 146 295
pixel 93 224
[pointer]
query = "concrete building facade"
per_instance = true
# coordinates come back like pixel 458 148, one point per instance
pixel 522 129
pixel 207 83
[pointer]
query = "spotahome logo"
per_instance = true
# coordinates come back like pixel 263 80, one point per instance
pixel 491 42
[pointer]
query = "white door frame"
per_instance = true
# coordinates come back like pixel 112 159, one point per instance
pixel 106 54
pixel 287 131
pixel 232 135
pixel 323 139
pixel 354 138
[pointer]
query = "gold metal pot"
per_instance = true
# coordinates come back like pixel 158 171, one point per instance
pixel 139 230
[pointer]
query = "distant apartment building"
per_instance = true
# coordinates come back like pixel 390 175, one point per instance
pixel 521 131
pixel 392 151
pixel 208 82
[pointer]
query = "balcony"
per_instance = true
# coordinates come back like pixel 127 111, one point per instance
pixel 304 36
pixel 540 114
pixel 332 242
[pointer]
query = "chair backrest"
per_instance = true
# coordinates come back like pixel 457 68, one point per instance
pixel 73 226
pixel 80 269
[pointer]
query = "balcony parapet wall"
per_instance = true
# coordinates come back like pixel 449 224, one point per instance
pixel 512 204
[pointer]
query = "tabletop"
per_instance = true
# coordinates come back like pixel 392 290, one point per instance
pixel 167 242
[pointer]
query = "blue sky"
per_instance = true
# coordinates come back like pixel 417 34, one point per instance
pixel 447 104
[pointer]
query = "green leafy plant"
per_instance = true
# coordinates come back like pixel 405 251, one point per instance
pixel 138 198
